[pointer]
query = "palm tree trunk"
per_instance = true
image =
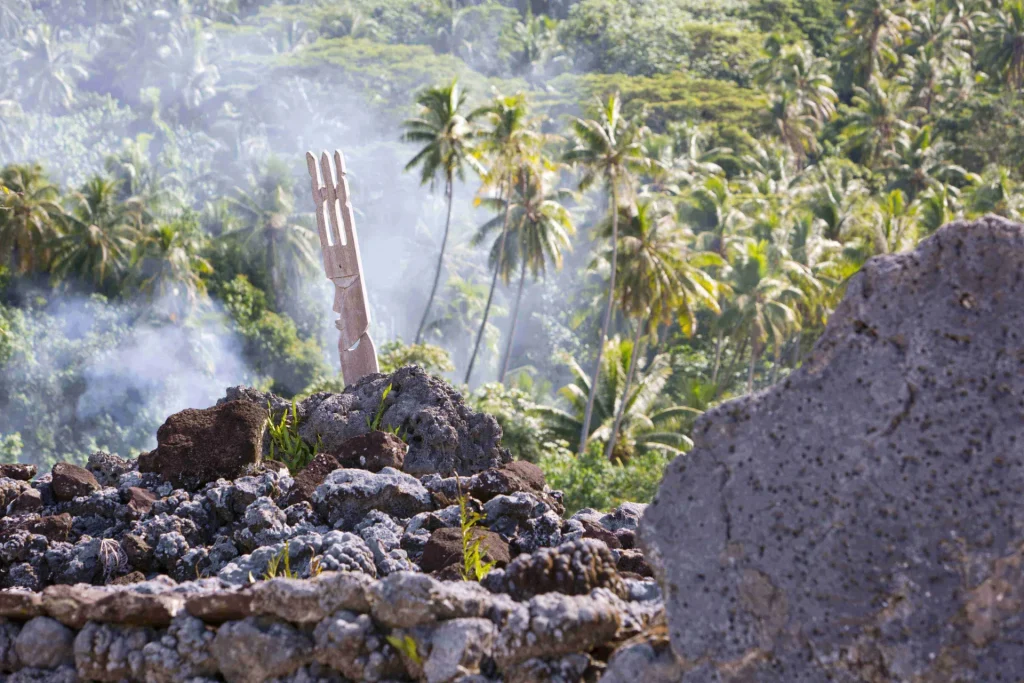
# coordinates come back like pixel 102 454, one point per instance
pixel 718 357
pixel 440 261
pixel 625 392
pixel 732 366
pixel 515 319
pixel 595 376
pixel 494 280
pixel 750 372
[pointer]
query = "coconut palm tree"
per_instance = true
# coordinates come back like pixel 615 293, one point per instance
pixel 995 192
pixel 31 217
pixel 607 149
pixel 167 267
pixel 764 304
pixel 49 70
pixel 267 227
pixel 711 210
pixel 660 281
pixel 874 120
pixel 448 138
pixel 644 425
pixel 802 97
pixel 874 29
pixel 100 237
pixel 1001 52
pixel 539 230
pixel 895 226
pixel 919 162
pixel 512 142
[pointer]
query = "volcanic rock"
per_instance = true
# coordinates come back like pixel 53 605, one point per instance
pixel 445 548
pixel 443 434
pixel 71 481
pixel 573 568
pixel 28 501
pixel 346 496
pixel 310 477
pixel 140 501
pixel 372 451
pixel 195 447
pixel 108 468
pixel 867 509
pixel 17 471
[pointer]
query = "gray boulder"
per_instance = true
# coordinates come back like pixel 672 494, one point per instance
pixel 867 509
pixel 347 496
pixel 444 435
pixel 257 649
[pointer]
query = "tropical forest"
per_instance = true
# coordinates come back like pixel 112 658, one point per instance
pixel 596 218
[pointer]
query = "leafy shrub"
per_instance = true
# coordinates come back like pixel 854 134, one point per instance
pixel 272 345
pixel 523 432
pixel 285 443
pixel 591 481
pixel 433 359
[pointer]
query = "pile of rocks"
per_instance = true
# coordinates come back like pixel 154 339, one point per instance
pixel 157 569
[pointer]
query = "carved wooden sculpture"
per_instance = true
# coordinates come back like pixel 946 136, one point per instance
pixel 343 266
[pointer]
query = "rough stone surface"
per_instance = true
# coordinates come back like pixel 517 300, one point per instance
pixel 551 625
pixel 17 471
pixel 443 434
pixel 573 568
pixel 108 469
pixel 867 509
pixel 70 481
pixel 257 649
pixel 45 643
pixel 195 447
pixel 353 645
pixel 346 496
pixel 372 451
pixel 445 548
pixel 106 652
pixel 311 476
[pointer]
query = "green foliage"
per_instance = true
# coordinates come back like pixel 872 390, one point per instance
pixel 474 568
pixel 522 430
pixel 433 359
pixel 11 447
pixel 285 443
pixel 592 481
pixel 374 423
pixel 271 344
pixel 280 566
pixel 407 646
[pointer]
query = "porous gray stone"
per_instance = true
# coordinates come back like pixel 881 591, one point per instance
pixel 353 645
pixel 107 652
pixel 347 496
pixel 8 654
pixel 867 509
pixel 258 649
pixel 45 643
pixel 182 653
pixel 552 625
pixel 444 435
pixel 450 649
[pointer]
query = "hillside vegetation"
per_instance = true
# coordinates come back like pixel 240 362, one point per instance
pixel 600 216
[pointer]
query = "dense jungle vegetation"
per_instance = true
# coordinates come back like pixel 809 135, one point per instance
pixel 601 216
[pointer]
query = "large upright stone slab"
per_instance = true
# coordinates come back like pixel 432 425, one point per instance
pixel 864 519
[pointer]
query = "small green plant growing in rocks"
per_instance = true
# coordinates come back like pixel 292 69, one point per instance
pixel 374 424
pixel 407 646
pixel 275 568
pixel 474 568
pixel 286 445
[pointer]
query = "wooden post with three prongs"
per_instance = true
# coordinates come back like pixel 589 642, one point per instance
pixel 343 266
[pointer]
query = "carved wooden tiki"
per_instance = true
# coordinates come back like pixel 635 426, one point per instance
pixel 343 266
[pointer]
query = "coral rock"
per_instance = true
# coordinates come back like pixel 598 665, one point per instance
pixel 573 568
pixel 70 481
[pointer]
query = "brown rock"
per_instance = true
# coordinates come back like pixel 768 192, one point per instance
pixel 30 500
pixel 216 608
pixel 627 538
pixel 11 489
pixel 195 447
pixel 633 561
pixel 139 552
pixel 54 527
pixel 140 501
pixel 70 605
pixel 309 478
pixel 591 530
pixel 445 548
pixel 71 481
pixel 127 579
pixel 19 604
pixel 17 471
pixel 135 609
pixel 372 451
